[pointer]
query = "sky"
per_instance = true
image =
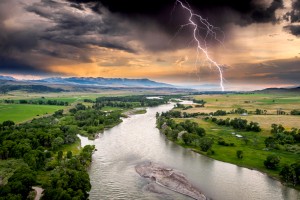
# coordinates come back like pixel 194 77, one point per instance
pixel 256 42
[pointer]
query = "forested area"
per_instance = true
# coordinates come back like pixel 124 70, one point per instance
pixel 190 132
pixel 40 144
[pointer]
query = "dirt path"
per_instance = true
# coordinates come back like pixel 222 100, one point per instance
pixel 38 191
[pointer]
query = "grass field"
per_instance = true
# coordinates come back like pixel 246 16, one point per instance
pixel 255 151
pixel 249 102
pixel 70 96
pixel 23 112
pixel 265 121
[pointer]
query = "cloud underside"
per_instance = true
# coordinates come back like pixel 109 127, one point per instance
pixel 58 37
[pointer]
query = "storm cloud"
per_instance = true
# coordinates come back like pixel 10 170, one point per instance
pixel 294 18
pixel 72 37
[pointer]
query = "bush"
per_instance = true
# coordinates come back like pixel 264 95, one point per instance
pixel 205 144
pixel 239 154
pixel 210 152
pixel 272 162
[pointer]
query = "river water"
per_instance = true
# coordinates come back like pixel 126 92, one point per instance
pixel 137 140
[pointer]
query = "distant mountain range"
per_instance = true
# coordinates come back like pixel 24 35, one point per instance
pixel 108 82
pixel 7 78
pixel 274 90
pixel 83 84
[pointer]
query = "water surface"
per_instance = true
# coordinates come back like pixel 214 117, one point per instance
pixel 137 140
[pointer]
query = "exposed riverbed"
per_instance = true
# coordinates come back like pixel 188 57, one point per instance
pixel 137 140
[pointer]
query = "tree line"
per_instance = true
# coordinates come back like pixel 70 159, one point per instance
pixel 236 123
pixel 37 102
pixel 131 101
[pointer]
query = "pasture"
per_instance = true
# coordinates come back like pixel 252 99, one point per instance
pixel 23 112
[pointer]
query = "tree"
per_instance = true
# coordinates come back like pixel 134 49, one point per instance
pixel 272 162
pixel 205 144
pixel 57 142
pixel 200 131
pixel 59 155
pixel 69 154
pixel 58 113
pixel 288 174
pixel 270 142
pixel 21 181
pixel 239 154
pixel 8 123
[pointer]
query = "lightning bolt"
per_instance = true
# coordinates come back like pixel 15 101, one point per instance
pixel 210 31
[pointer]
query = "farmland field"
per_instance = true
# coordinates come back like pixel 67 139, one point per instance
pixel 22 112
pixel 250 102
pixel 252 144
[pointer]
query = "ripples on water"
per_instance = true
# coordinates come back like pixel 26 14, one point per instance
pixel 137 140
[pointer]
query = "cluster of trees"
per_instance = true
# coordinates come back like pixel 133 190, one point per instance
pixel 32 138
pixel 37 102
pixel 201 103
pixel 130 101
pixel 280 112
pixel 291 173
pixel 280 136
pixel 39 144
pixel 222 142
pixel 178 114
pixel 295 112
pixel 91 120
pixel 218 113
pixel 183 107
pixel 19 184
pixel 69 179
pixel 272 162
pixel 237 123
pixel 240 111
pixel 190 132
pixel 260 112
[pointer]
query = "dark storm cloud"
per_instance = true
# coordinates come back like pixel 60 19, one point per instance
pixel 272 71
pixel 17 66
pixel 293 29
pixel 59 30
pixel 294 17
pixel 13 41
pixel 55 30
pixel 217 11
pixel 164 18
pixel 71 28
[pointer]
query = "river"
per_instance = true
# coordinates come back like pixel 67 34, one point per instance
pixel 137 140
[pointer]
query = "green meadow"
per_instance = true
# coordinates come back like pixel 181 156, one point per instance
pixel 254 150
pixel 252 143
pixel 23 112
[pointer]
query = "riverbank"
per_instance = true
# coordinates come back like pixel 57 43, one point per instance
pixel 137 140
pixel 224 144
